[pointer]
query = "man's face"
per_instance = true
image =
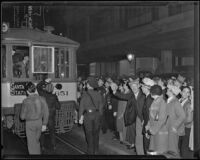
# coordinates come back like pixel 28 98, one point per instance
pixel 177 83
pixel 26 59
pixel 160 83
pixel 107 84
pixel 135 87
pixel 100 82
pixel 169 92
pixel 144 89
pixel 121 88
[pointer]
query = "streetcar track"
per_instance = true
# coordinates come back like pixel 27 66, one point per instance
pixel 71 145
pixel 60 139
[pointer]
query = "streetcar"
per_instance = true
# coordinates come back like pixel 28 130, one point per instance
pixel 27 55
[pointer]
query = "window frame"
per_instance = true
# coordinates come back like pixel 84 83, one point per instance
pixel 52 63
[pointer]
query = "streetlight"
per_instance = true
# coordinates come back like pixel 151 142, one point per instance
pixel 131 59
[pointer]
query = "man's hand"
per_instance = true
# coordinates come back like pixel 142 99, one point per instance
pixel 114 87
pixel 147 127
pixel 110 107
pixel 115 114
pixel 81 120
pixel 174 130
pixel 44 128
pixel 147 135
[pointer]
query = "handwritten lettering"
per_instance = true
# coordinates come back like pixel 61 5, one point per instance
pixel 17 88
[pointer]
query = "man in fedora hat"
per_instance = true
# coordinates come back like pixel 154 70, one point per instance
pixel 90 112
pixel 135 129
pixel 140 99
pixel 146 84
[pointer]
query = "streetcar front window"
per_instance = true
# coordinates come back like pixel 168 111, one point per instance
pixel 20 60
pixel 3 60
pixel 42 61
pixel 61 63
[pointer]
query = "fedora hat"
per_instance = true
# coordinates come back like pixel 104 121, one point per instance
pixel 174 89
pixel 148 82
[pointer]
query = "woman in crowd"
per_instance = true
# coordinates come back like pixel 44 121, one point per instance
pixel 176 119
pixel 184 140
pixel 157 125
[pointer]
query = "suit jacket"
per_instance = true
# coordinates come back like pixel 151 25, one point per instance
pixel 145 111
pixel 140 104
pixel 176 116
pixel 114 103
pixel 131 107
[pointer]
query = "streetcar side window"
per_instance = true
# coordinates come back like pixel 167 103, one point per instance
pixel 3 60
pixel 61 63
pixel 20 60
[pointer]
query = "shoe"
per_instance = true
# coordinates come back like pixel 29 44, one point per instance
pixel 115 139
pixel 54 148
pixel 43 150
pixel 131 147
pixel 121 142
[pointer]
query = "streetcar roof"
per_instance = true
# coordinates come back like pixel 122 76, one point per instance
pixel 36 35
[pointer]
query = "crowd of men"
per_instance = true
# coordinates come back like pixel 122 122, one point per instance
pixel 150 115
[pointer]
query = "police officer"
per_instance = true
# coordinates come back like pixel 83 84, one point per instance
pixel 91 106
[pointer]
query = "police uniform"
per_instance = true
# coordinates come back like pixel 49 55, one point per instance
pixel 91 106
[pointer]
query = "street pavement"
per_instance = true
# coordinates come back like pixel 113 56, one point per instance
pixel 107 146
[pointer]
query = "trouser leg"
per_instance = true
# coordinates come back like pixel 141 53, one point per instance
pixel 146 143
pixel 96 132
pixel 88 124
pixel 51 126
pixel 139 137
pixel 33 132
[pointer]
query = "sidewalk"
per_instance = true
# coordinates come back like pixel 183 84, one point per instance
pixel 107 146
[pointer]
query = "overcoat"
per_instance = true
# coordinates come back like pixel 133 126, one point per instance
pixel 158 126
pixel 176 120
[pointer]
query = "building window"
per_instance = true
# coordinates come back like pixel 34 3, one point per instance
pixel 20 60
pixel 180 8
pixel 61 63
pixel 3 60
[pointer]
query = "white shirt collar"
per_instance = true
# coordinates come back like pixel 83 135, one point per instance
pixel 183 102
pixel 147 94
pixel 169 99
pixel 136 95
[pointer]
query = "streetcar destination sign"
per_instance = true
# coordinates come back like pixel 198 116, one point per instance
pixel 18 88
